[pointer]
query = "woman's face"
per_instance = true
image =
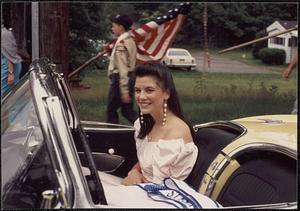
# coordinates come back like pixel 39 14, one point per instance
pixel 149 95
pixel 117 29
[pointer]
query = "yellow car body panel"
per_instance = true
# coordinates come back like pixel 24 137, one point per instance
pixel 279 130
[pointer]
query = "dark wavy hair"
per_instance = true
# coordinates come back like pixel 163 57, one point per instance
pixel 165 80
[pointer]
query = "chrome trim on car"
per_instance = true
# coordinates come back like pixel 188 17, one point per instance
pixel 284 205
pixel 39 94
pixel 70 155
pixel 266 147
pixel 63 87
pixel 74 186
pixel 100 126
pixel 229 124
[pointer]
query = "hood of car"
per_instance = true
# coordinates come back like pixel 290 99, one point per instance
pixel 286 118
pixel 276 131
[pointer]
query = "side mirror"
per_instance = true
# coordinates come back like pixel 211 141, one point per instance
pixel 104 162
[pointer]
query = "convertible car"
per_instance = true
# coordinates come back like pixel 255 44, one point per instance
pixel 52 159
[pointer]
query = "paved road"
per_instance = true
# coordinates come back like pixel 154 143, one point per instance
pixel 220 64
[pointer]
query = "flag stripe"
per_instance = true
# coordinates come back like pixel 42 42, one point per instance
pixel 162 31
pixel 154 38
pixel 165 38
pixel 151 38
pixel 144 57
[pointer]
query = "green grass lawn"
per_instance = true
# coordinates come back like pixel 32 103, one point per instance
pixel 205 97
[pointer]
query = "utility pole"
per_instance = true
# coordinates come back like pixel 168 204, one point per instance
pixel 206 57
pixel 35 30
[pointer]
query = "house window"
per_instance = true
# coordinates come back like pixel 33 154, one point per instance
pixel 293 42
pixel 277 40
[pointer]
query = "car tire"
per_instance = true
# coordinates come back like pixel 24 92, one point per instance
pixel 189 68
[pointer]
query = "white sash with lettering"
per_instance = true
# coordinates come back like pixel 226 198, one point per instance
pixel 177 193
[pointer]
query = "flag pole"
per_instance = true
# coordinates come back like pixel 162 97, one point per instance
pixel 205 59
pixel 257 40
pixel 86 64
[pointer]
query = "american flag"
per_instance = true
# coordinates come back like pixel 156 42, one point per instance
pixel 154 38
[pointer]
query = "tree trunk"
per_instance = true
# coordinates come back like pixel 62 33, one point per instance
pixel 54 34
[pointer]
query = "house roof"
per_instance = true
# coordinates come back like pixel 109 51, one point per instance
pixel 288 24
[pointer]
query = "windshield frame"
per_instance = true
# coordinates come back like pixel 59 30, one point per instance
pixel 44 77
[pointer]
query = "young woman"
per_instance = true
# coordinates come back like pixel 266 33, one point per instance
pixel 164 140
pixel 165 148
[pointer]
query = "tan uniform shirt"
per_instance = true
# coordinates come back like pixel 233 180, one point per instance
pixel 123 59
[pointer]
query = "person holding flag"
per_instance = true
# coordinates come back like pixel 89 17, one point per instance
pixel 122 62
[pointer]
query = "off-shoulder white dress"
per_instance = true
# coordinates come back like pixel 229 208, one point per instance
pixel 165 158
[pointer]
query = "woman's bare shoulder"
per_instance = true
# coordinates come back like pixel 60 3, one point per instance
pixel 179 129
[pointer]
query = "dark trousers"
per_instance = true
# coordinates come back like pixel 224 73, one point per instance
pixel 115 102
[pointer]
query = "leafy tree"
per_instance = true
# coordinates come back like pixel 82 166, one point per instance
pixel 229 23
pixel 87 24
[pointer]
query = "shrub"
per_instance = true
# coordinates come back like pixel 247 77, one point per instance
pixel 272 56
pixel 259 45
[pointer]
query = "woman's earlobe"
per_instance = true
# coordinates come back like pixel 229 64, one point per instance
pixel 167 95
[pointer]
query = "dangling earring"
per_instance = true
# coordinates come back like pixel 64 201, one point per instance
pixel 165 113
pixel 142 118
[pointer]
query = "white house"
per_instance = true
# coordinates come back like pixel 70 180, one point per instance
pixel 287 41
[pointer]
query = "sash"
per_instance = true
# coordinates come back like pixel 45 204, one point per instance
pixel 170 193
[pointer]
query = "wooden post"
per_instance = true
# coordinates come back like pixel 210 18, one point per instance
pixel 54 33
pixel 257 40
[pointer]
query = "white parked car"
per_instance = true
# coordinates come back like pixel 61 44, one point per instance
pixel 179 57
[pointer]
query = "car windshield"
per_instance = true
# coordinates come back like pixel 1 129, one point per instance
pixel 20 132
pixel 26 169
pixel 178 53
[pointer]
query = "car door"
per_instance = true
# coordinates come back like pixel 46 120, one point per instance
pixel 108 142
pixel 113 140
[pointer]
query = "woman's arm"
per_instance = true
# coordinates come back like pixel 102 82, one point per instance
pixel 134 176
pixel 286 73
pixel 10 78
